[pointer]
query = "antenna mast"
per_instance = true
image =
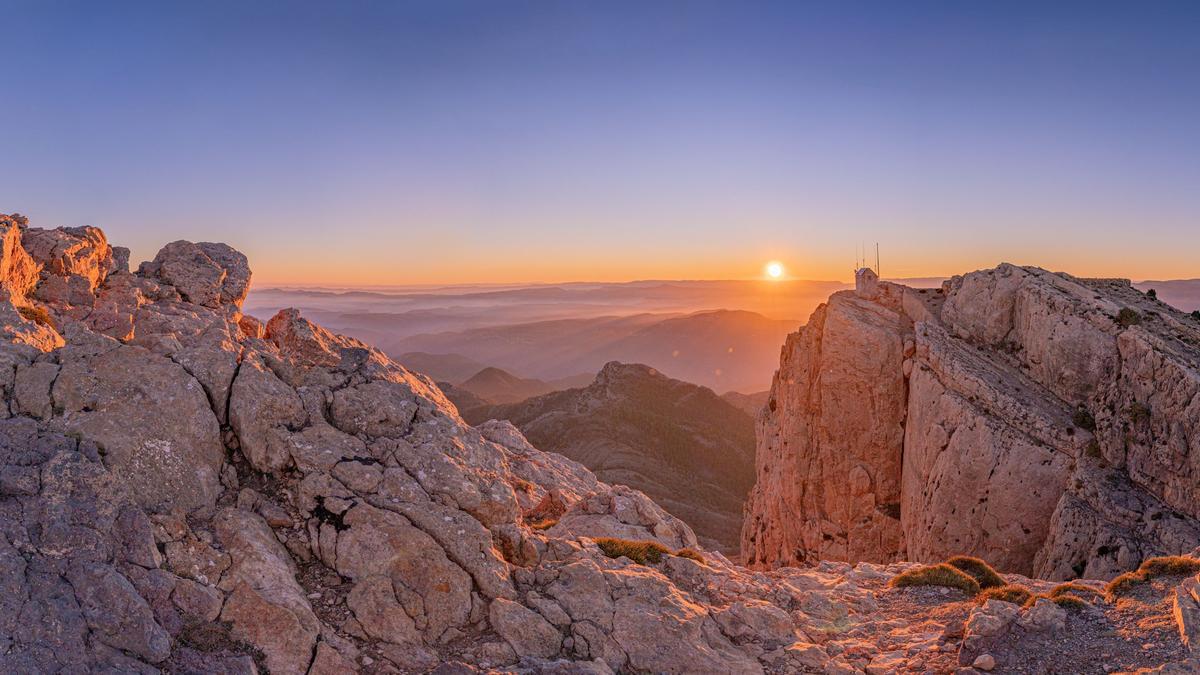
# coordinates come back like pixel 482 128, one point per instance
pixel 877 270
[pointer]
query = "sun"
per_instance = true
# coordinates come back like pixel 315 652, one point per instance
pixel 774 269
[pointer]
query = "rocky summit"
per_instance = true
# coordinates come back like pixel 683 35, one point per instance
pixel 1045 423
pixel 188 489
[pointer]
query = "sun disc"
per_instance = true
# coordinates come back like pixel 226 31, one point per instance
pixel 775 269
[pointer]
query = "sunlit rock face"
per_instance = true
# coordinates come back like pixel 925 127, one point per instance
pixel 1046 423
pixel 184 488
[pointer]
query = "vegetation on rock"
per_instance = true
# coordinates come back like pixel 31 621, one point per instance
pixel 1175 565
pixel 979 570
pixel 1014 593
pixel 940 574
pixel 1128 317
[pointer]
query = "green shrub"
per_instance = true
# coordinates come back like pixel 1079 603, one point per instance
pixel 1014 593
pixel 1084 419
pixel 979 570
pixel 37 315
pixel 1172 565
pixel 641 552
pixel 1139 413
pixel 940 574
pixel 1128 317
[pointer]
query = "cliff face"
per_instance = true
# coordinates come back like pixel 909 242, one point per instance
pixel 1048 424
pixel 685 447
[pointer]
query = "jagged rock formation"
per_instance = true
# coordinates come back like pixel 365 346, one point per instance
pixel 184 489
pixel 682 445
pixel 1046 423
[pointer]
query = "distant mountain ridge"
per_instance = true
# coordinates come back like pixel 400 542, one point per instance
pixel 724 349
pixel 681 444
pixel 500 386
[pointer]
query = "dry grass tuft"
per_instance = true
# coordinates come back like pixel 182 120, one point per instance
pixel 1078 590
pixel 980 571
pixel 1068 602
pixel 1172 565
pixel 641 552
pixel 36 314
pixel 1014 593
pixel 937 575
pixel 544 523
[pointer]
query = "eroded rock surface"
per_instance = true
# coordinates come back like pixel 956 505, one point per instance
pixel 1048 424
pixel 185 489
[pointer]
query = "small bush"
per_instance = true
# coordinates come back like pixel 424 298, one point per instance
pixel 1128 317
pixel 1173 565
pixel 1139 413
pixel 1014 593
pixel 641 552
pixel 38 315
pixel 1084 419
pixel 690 554
pixel 1078 590
pixel 979 570
pixel 937 575
pixel 1196 315
pixel 544 523
pixel 1169 565
pixel 1153 294
pixel 1071 602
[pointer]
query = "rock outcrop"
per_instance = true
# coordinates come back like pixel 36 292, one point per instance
pixel 185 489
pixel 1046 423
pixel 681 444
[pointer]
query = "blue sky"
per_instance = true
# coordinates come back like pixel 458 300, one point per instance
pixel 407 142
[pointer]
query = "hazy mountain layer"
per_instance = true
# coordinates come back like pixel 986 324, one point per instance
pixel 722 350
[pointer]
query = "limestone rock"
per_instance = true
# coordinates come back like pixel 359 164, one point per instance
pixel 151 419
pixel 1038 429
pixel 205 274
pixel 524 629
pixel 266 606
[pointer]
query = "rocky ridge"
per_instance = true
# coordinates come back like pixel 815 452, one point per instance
pixel 186 489
pixel 1046 423
pixel 681 444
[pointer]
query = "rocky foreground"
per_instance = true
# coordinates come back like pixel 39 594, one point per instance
pixel 185 489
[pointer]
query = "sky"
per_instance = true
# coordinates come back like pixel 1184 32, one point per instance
pixel 510 141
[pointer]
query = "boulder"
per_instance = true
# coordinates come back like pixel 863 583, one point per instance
pixel 150 418
pixel 206 274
